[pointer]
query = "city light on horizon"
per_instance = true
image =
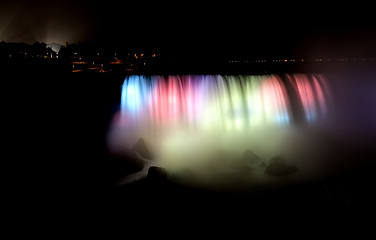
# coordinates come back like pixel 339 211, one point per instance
pixel 79 21
pixel 227 109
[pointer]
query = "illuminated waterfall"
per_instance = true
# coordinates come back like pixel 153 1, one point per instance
pixel 223 103
pixel 184 119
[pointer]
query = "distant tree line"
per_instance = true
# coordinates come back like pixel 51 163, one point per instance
pixel 92 50
pixel 87 51
pixel 10 51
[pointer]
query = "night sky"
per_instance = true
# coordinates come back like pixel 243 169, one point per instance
pixel 248 28
pixel 62 118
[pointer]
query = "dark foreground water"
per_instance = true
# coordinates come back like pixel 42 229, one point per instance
pixel 59 128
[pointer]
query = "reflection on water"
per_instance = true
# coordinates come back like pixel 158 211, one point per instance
pixel 208 125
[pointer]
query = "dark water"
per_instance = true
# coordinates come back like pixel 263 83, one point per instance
pixel 58 128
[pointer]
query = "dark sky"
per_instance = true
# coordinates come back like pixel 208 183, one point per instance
pixel 260 28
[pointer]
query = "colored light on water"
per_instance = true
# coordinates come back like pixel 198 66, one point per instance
pixel 188 119
pixel 134 94
pixel 225 103
pixel 313 93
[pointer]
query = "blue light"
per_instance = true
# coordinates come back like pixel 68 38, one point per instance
pixel 133 94
pixel 282 119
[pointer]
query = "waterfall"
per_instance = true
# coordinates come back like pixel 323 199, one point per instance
pixel 221 103
pixel 196 121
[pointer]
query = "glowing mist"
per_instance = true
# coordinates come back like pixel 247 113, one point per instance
pixel 207 123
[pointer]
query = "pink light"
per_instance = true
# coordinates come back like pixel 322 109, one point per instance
pixel 166 104
pixel 275 99
pixel 321 88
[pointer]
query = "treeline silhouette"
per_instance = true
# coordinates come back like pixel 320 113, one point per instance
pixel 12 51
pixel 77 55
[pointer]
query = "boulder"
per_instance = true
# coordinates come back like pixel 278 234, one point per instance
pixel 141 148
pixel 263 164
pixel 157 172
pixel 126 162
pixel 251 157
pixel 277 167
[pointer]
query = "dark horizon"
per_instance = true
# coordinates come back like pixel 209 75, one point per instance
pixel 242 30
pixel 59 119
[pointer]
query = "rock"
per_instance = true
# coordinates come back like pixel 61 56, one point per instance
pixel 277 167
pixel 263 164
pixel 122 166
pixel 251 157
pixel 238 164
pixel 141 148
pixel 157 172
pixel 126 162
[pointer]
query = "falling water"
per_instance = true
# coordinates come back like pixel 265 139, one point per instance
pixel 224 103
pixel 206 123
